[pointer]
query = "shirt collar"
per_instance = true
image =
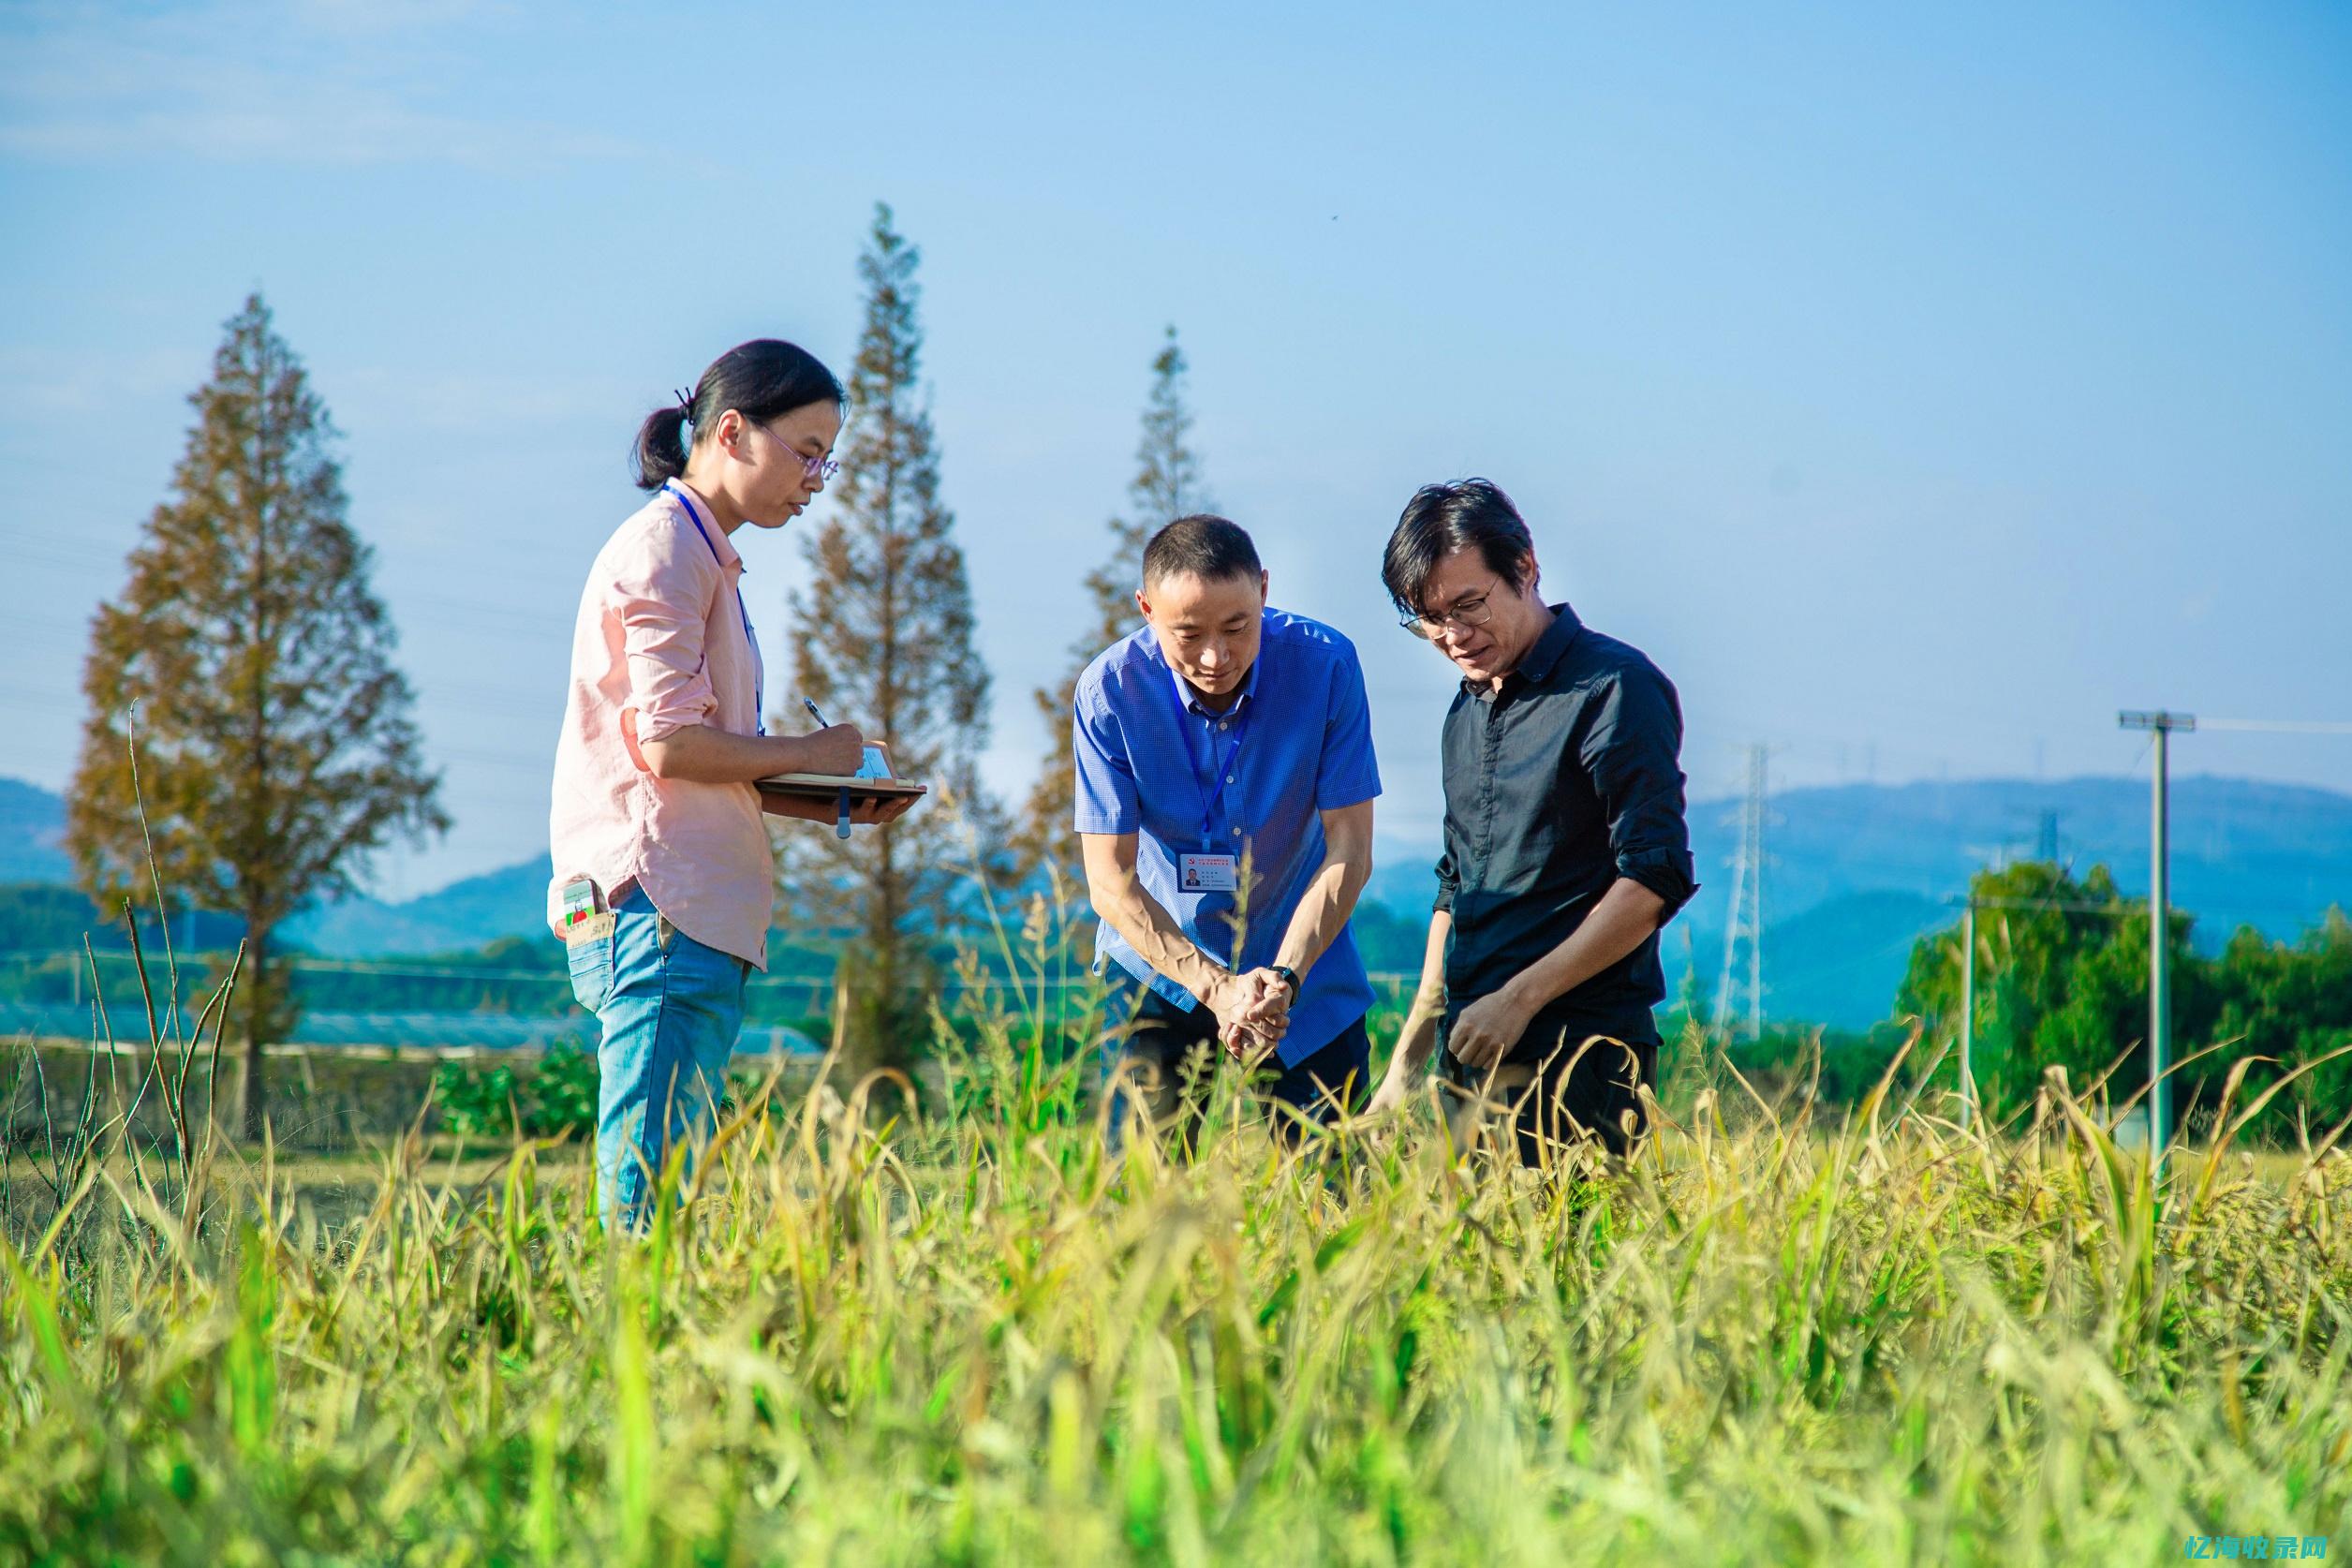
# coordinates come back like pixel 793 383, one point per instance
pixel 1188 700
pixel 1557 640
pixel 729 558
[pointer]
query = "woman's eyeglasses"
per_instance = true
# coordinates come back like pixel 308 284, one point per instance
pixel 814 468
pixel 1467 612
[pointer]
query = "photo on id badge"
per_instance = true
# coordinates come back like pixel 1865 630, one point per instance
pixel 1208 873
pixel 587 927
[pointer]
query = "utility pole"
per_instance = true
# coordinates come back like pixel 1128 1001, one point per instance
pixel 2160 724
pixel 1744 935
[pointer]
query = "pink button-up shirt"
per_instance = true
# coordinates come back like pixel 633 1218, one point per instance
pixel 661 643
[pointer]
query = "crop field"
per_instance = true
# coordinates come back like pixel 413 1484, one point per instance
pixel 971 1339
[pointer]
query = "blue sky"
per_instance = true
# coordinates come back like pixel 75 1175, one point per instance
pixel 1917 389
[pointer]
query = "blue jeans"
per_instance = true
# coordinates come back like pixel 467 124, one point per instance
pixel 670 1009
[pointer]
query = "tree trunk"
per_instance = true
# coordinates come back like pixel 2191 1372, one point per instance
pixel 252 1083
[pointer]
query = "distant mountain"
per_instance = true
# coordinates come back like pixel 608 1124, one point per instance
pixel 32 834
pixel 1853 874
pixel 503 903
pixel 1838 963
pixel 510 901
pixel 2269 856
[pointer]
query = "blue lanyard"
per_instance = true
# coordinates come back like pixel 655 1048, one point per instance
pixel 1212 790
pixel 759 665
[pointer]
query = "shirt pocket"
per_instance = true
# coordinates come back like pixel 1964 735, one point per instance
pixel 588 952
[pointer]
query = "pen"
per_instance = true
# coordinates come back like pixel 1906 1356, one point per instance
pixel 841 828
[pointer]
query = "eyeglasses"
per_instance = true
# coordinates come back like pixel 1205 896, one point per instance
pixel 814 468
pixel 1467 612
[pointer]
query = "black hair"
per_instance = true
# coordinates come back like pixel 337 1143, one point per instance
pixel 1464 514
pixel 1208 547
pixel 762 379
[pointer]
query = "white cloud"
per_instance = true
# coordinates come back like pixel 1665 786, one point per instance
pixel 37 383
pixel 378 18
pixel 311 82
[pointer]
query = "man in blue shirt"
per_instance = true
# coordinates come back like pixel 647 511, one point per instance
pixel 1224 793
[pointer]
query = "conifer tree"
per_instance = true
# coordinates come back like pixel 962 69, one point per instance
pixel 882 637
pixel 1168 485
pixel 276 751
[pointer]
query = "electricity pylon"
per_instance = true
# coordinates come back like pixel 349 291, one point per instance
pixel 1742 996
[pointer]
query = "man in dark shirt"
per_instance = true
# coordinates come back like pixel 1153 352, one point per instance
pixel 1565 846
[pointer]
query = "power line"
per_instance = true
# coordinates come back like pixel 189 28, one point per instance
pixel 2277 726
pixel 2066 906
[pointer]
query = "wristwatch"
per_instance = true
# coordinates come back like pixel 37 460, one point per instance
pixel 1289 977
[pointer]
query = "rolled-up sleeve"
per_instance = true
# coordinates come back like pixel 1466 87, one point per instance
pixel 1103 785
pixel 1449 883
pixel 1633 751
pixel 662 593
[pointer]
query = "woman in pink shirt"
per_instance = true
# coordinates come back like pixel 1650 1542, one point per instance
pixel 664 876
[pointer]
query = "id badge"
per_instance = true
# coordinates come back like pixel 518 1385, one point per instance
pixel 582 902
pixel 1208 873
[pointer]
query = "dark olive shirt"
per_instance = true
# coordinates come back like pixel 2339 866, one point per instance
pixel 1566 779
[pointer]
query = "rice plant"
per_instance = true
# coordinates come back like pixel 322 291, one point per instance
pixel 971 1337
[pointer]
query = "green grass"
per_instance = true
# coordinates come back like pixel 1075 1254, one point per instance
pixel 970 1340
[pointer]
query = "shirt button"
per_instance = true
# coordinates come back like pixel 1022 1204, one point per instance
pixel 1229 778
pixel 1223 724
pixel 1237 832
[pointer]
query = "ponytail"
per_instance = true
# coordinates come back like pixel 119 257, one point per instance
pixel 763 379
pixel 660 454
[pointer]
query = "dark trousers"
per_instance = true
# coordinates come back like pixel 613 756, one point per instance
pixel 1571 1085
pixel 1157 1053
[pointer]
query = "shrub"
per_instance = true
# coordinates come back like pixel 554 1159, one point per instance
pixel 489 1102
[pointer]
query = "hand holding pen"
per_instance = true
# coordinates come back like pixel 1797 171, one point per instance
pixel 837 748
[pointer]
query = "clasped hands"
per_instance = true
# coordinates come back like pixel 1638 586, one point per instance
pixel 1254 1013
